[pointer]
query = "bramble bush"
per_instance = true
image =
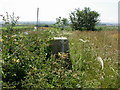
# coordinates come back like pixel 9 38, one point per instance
pixel 26 63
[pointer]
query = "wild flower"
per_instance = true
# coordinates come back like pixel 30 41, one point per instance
pixel 74 75
pixel 2 61
pixel 17 61
pixel 35 28
pixel 15 40
pixel 1 40
pixel 26 33
pixel 84 41
pixel 63 55
pixel 54 63
pixel 72 43
pixel 60 70
pixel 34 68
pixel 6 36
pixel 101 61
pixel 70 71
pixel 14 35
pixel 16 43
pixel 78 85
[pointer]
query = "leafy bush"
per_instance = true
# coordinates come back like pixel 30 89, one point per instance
pixel 21 53
pixel 84 19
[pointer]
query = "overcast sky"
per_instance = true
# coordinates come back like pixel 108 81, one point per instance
pixel 49 10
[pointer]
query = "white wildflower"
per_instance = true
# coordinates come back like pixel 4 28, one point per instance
pixel 14 35
pixel 51 32
pixel 101 61
pixel 70 71
pixel 35 28
pixel 26 33
pixel 84 40
pixel 78 85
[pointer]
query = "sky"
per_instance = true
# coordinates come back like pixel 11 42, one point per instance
pixel 49 10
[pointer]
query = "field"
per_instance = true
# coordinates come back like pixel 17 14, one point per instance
pixel 25 65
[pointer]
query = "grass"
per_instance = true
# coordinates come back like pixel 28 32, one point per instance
pixel 107 28
pixel 103 44
pixel 26 53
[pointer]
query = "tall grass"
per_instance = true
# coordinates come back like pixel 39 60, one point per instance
pixel 84 55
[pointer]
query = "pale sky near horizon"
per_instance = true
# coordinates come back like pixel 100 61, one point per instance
pixel 49 10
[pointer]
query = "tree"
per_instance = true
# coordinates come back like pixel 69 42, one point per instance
pixel 62 22
pixel 65 21
pixel 84 19
pixel 58 21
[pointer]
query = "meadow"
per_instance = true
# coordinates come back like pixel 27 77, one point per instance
pixel 24 62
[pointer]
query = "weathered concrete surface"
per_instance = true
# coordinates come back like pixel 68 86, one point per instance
pixel 60 48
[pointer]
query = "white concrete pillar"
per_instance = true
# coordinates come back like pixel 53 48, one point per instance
pixel 60 48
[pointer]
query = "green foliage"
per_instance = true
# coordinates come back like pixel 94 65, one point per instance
pixel 10 21
pixel 65 21
pixel 21 53
pixel 61 22
pixel 84 19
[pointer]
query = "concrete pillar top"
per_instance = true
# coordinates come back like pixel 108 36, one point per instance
pixel 60 38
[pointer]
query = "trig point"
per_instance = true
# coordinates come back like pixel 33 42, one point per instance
pixel 60 48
